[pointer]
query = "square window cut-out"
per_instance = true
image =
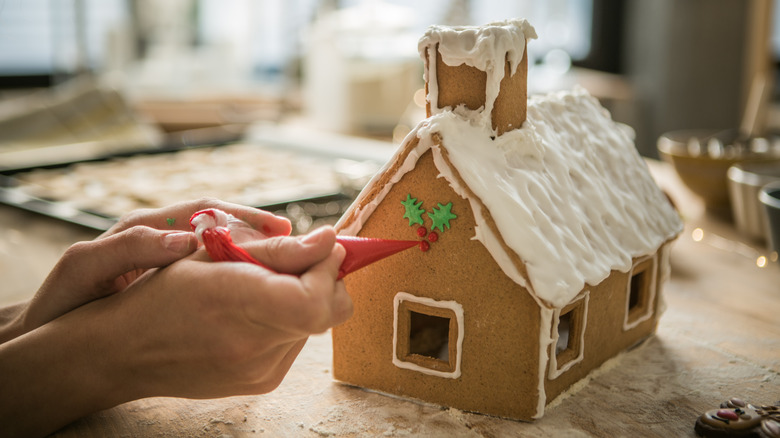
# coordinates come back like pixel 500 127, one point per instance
pixel 567 346
pixel 564 329
pixel 427 336
pixel 568 333
pixel 640 292
pixel 636 293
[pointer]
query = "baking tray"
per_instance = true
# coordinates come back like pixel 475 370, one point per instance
pixel 306 208
pixel 305 213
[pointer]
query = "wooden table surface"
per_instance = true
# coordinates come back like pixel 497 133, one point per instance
pixel 719 337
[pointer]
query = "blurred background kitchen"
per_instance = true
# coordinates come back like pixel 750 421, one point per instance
pixel 111 105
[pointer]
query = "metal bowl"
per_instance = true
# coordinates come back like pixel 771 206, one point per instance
pixel 702 158
pixel 745 182
pixel 770 197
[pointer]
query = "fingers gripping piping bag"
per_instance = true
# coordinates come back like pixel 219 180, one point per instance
pixel 213 227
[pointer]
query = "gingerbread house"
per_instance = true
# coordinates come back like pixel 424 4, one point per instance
pixel 544 241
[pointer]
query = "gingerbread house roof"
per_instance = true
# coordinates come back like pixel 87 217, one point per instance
pixel 568 193
pixel 568 197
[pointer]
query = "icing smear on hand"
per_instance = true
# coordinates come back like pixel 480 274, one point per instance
pixel 212 227
pixel 240 231
pixel 207 219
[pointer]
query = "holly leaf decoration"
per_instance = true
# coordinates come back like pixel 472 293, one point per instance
pixel 441 216
pixel 413 211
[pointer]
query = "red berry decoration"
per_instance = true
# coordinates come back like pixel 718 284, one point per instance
pixel 433 236
pixel 422 231
pixel 424 246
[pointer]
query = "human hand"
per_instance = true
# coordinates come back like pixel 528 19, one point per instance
pixel 200 329
pixel 194 329
pixel 141 240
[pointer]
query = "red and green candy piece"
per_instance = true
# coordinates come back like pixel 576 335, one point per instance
pixel 440 216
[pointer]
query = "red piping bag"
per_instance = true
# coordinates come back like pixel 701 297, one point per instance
pixel 362 251
pixel 211 228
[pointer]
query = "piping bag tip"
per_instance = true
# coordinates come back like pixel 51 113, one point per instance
pixel 361 251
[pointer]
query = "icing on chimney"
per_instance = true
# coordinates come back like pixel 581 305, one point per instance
pixel 479 72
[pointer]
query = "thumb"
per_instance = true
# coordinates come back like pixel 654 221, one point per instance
pixel 91 270
pixel 293 255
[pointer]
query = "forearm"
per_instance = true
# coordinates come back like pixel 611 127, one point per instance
pixel 52 376
pixel 11 321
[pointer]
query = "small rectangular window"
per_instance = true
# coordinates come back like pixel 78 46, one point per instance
pixel 640 293
pixel 564 330
pixel 428 335
pixel 637 294
pixel 568 334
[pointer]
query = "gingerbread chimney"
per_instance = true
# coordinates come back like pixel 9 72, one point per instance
pixel 480 72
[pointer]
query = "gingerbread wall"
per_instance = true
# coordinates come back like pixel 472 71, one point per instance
pixel 605 336
pixel 501 321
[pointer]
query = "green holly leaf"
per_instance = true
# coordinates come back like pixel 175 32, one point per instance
pixel 413 210
pixel 441 216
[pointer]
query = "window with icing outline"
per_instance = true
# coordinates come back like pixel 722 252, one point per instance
pixel 427 335
pixel 568 334
pixel 640 293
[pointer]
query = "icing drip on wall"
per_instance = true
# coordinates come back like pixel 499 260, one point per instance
pixel 485 47
pixel 545 341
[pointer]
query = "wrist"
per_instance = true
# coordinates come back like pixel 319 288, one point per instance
pixel 102 357
pixel 58 373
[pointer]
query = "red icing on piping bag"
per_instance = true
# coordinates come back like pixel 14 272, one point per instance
pixel 211 228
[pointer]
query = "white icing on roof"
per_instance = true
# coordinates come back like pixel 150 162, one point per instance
pixel 568 192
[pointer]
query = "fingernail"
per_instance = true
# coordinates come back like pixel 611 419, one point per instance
pixel 177 242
